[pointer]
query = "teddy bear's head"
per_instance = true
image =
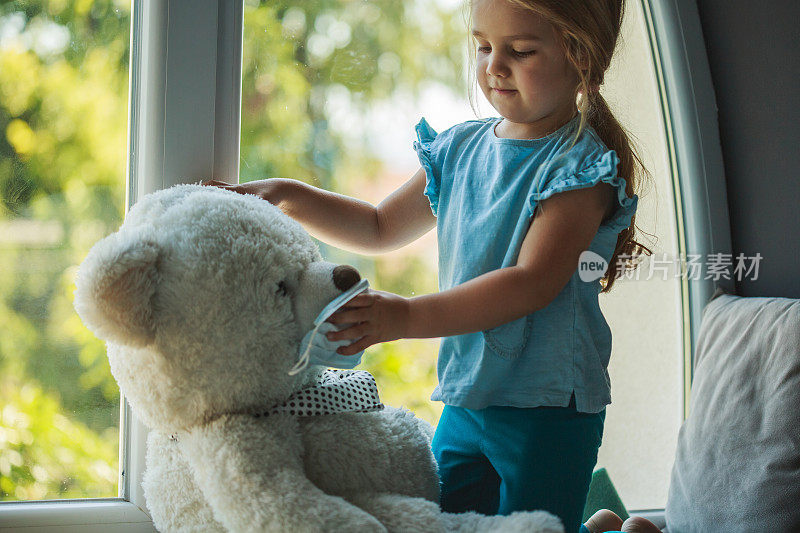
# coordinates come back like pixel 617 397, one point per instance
pixel 203 296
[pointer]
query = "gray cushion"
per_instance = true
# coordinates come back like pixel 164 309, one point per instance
pixel 737 465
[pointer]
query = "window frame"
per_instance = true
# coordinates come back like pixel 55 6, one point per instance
pixel 689 110
pixel 184 125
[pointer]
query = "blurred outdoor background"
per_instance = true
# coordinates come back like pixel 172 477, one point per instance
pixel 332 90
pixel 63 118
pixel 329 93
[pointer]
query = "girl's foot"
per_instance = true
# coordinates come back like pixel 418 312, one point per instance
pixel 604 520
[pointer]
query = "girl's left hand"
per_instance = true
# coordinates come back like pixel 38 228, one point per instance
pixel 376 316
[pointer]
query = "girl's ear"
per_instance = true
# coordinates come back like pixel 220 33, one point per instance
pixel 114 288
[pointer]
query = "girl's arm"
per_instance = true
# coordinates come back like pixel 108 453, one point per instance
pixel 346 222
pixel 564 226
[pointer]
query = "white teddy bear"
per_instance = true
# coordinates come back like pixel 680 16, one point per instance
pixel 203 296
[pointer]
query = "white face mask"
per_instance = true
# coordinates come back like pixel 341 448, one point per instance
pixel 316 349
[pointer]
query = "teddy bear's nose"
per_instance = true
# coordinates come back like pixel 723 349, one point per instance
pixel 345 276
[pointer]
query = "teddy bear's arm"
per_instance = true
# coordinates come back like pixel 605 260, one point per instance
pixel 251 473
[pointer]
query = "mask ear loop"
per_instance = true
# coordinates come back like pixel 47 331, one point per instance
pixel 302 363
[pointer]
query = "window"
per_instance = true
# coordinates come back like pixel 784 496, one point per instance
pixel 63 95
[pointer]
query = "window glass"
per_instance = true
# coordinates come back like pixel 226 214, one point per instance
pixel 331 93
pixel 63 115
pixel 644 311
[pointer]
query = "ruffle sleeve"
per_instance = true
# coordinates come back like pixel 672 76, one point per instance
pixel 426 152
pixel 603 168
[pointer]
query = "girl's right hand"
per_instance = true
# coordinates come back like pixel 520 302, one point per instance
pixel 268 189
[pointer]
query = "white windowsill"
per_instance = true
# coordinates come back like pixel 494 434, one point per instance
pixel 116 515
pixel 74 515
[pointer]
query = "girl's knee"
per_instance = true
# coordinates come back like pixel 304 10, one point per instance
pixel 603 520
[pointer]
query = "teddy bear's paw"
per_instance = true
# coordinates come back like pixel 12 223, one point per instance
pixel 348 522
pixel 519 522
pixel 523 522
pixel 402 514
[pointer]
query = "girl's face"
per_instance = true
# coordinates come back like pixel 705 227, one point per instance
pixel 522 69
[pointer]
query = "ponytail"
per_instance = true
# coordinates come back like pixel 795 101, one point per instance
pixel 599 116
pixel 589 32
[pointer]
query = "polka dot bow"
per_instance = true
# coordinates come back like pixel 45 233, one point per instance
pixel 336 391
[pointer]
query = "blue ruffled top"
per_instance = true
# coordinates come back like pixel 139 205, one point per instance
pixel 484 189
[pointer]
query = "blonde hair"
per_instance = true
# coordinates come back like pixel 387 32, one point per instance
pixel 589 30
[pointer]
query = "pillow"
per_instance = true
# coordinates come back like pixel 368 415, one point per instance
pixel 737 464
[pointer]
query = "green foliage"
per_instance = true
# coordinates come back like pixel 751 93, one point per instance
pixel 405 371
pixel 63 128
pixel 298 55
pixel 44 454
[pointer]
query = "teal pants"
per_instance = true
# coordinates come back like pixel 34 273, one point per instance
pixel 499 460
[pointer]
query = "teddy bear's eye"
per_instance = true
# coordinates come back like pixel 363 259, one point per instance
pixel 282 290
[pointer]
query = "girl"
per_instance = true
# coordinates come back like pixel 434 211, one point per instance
pixel 515 200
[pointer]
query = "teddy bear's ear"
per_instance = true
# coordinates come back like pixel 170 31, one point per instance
pixel 114 288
